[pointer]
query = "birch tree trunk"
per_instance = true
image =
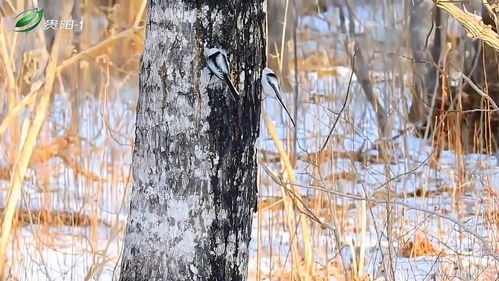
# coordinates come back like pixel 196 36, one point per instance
pixel 194 161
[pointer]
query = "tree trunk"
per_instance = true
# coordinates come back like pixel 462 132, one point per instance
pixel 194 161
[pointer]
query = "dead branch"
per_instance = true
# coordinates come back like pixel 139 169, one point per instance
pixel 328 155
pixel 51 218
pixel 60 147
pixel 473 24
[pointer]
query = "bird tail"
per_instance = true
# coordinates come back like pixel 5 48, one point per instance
pixel 232 89
pixel 289 115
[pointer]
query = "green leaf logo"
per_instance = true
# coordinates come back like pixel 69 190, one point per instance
pixel 28 20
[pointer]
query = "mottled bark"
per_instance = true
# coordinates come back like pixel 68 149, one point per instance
pixel 194 159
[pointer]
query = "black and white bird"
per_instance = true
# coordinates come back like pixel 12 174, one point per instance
pixel 270 85
pixel 217 63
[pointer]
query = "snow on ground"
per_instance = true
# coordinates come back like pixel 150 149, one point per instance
pixel 86 254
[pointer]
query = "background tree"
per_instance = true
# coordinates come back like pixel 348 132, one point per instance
pixel 194 157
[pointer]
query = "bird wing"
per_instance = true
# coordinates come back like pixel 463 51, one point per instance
pixel 222 63
pixel 274 83
pixel 214 66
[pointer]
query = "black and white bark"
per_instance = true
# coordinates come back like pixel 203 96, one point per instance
pixel 194 161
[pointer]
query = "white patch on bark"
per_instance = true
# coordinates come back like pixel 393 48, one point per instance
pixel 194 269
pixel 204 170
pixel 242 77
pixel 187 246
pixel 180 121
pixel 181 208
pixel 216 19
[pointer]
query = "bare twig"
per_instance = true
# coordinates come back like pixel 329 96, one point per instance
pixel 77 57
pixel 344 103
pixel 479 91
pixel 28 99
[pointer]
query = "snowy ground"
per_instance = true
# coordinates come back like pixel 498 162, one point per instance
pixel 92 253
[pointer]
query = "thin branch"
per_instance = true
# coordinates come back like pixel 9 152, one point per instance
pixel 28 99
pixel 344 103
pixel 77 57
pixel 479 91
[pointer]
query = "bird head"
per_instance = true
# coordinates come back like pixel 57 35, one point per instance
pixel 266 71
pixel 210 51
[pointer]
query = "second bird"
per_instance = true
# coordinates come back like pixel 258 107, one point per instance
pixel 270 85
